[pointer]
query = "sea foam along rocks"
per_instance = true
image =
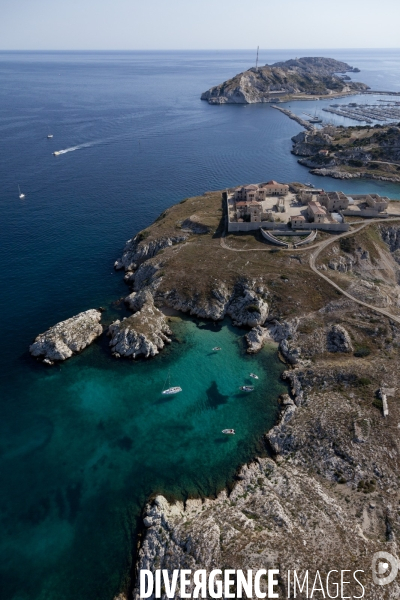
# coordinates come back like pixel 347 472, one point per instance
pixel 67 337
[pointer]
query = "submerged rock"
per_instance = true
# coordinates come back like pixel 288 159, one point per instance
pixel 68 337
pixel 143 334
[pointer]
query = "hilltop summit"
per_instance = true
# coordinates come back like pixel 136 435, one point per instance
pixel 302 77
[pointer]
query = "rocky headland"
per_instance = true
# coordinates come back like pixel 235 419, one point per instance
pixel 325 493
pixel 67 337
pixel 352 152
pixel 297 78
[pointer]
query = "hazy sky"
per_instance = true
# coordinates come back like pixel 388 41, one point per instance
pixel 198 24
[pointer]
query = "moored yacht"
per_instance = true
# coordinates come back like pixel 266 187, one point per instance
pixel 170 391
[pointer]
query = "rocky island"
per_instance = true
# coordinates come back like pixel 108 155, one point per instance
pixel 67 337
pixel 369 152
pixel 325 493
pixel 302 78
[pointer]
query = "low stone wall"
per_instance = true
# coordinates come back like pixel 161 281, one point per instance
pixel 291 232
pixel 233 226
pixel 308 239
pixel 273 240
pixel 325 226
pixel 365 212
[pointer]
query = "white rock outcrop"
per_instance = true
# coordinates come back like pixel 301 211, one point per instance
pixel 68 337
pixel 143 334
pixel 256 338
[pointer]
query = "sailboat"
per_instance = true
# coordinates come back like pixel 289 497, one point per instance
pixel 21 196
pixel 169 391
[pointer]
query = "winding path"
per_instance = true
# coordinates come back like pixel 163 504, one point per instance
pixel 320 246
pixel 325 244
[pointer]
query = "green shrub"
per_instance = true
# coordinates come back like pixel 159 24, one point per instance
pixel 362 351
pixel 142 235
pixel 347 244
pixel 252 308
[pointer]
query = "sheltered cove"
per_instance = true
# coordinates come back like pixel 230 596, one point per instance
pixel 329 486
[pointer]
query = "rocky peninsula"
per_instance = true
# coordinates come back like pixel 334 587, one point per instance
pixel 324 494
pixel 302 78
pixel 369 152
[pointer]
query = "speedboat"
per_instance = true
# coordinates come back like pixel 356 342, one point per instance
pixel 217 348
pixel 253 375
pixel 56 153
pixel 247 388
pixel 20 194
pixel 229 431
pixel 172 390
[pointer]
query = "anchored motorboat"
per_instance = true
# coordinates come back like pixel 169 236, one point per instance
pixel 229 431
pixel 170 391
pixel 247 388
pixel 217 348
pixel 253 375
pixel 49 136
pixel 20 194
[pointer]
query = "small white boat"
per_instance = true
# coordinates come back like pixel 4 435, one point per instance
pixel 216 348
pixel 49 136
pixel 170 391
pixel 229 431
pixel 56 153
pixel 247 388
pixel 20 194
pixel 253 375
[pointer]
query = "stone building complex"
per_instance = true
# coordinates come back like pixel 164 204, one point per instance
pixel 278 206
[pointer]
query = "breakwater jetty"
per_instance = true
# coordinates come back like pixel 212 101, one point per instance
pixel 296 118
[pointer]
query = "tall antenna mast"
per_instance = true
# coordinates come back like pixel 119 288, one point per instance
pixel 258 47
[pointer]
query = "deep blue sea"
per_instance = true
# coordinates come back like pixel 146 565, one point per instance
pixel 83 445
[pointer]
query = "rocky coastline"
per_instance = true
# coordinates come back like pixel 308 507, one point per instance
pixel 326 493
pixel 351 153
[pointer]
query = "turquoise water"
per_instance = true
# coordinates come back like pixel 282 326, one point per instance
pixel 103 438
pixel 82 446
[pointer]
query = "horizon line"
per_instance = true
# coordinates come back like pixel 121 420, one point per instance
pixel 185 49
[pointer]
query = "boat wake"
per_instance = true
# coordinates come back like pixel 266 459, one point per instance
pixel 79 147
